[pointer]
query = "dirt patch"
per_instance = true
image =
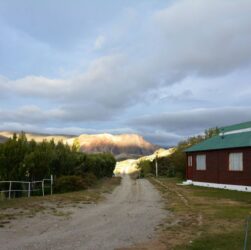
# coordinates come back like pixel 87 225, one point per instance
pixel 56 205
pixel 127 216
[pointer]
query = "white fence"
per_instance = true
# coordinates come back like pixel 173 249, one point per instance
pixel 32 186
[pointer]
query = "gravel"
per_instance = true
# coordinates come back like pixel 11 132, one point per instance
pixel 127 217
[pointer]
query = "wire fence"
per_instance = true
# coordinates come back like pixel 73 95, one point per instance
pixel 15 189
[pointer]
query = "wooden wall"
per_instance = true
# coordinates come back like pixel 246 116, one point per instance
pixel 217 167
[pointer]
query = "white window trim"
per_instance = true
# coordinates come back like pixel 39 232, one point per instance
pixel 190 161
pixel 231 161
pixel 202 167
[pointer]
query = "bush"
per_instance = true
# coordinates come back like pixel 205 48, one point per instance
pixel 70 183
pixel 101 165
pixel 146 168
pixel 90 179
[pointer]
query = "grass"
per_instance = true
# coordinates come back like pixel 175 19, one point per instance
pixel 215 242
pixel 203 218
pixel 52 204
pixel 223 194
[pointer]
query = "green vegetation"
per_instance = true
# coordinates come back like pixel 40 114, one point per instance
pixel 164 167
pixel 23 160
pixel 174 165
pixel 203 218
pixel 216 242
pixel 215 193
pixel 178 158
pixel 70 183
pixel 74 183
pixel 146 168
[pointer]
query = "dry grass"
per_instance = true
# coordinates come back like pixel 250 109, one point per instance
pixel 52 204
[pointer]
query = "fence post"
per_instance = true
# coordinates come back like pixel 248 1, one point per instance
pixel 10 190
pixel 51 183
pixel 246 233
pixel 29 189
pixel 43 187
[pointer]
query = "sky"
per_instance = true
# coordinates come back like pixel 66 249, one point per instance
pixel 163 69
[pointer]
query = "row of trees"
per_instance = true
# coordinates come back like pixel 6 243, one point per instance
pixel 175 164
pixel 164 167
pixel 21 159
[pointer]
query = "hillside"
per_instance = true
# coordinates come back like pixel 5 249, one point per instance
pixel 37 137
pixel 131 165
pixel 122 146
pixel 3 138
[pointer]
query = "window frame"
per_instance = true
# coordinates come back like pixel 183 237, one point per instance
pixel 190 161
pixel 229 162
pixel 204 168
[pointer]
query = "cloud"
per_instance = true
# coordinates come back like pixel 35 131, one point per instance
pixel 40 86
pixel 205 37
pixel 65 24
pixel 99 42
pixel 65 130
pixel 171 127
pixel 3 86
pixel 18 126
pixel 81 130
pixel 110 84
pixel 163 129
pixel 162 138
pixel 70 114
pixel 30 114
pixel 149 52
pixel 188 122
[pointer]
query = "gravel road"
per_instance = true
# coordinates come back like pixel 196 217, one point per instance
pixel 128 216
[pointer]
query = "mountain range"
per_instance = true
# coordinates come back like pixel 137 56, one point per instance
pixel 123 146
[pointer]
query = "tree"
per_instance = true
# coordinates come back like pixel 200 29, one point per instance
pixel 76 145
pixel 21 159
pixel 211 132
pixel 178 158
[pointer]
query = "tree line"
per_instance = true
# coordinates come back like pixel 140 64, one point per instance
pixel 25 160
pixel 175 164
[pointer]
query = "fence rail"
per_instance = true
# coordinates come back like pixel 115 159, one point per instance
pixel 30 184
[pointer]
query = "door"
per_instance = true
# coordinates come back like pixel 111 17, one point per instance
pixel 189 167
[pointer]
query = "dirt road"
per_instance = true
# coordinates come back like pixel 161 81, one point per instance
pixel 128 216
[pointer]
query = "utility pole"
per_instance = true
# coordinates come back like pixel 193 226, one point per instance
pixel 156 165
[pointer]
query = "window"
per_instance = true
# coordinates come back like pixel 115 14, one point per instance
pixel 236 162
pixel 201 162
pixel 190 161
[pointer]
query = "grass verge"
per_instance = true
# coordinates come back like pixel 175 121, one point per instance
pixel 203 218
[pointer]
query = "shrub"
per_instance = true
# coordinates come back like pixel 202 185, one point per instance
pixel 90 179
pixel 101 164
pixel 146 168
pixel 70 183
